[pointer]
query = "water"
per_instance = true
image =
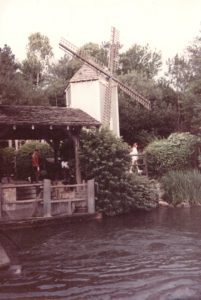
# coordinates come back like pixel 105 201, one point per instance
pixel 145 256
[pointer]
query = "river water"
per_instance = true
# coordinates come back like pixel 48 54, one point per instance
pixel 144 256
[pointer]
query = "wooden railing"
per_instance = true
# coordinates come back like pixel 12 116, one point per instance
pixel 22 201
pixel 142 163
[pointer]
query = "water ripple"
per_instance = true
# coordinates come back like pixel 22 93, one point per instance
pixel 152 258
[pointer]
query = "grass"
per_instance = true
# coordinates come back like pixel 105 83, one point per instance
pixel 182 186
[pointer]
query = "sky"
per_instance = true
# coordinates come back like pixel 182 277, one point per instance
pixel 168 26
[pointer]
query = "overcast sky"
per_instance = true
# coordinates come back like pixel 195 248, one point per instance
pixel 166 25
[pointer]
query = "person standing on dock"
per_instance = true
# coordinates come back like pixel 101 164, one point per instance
pixel 35 165
pixel 134 157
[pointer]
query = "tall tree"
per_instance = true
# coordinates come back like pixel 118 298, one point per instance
pixel 13 88
pixel 139 124
pixel 39 53
pixel 184 73
pixel 142 60
pixel 59 74
pixel 99 52
pixel 139 66
pixel 179 72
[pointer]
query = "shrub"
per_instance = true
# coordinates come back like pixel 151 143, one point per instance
pixel 107 159
pixel 7 161
pixel 23 158
pixel 182 186
pixel 178 151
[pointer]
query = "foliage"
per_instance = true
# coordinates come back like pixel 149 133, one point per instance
pixel 135 120
pixel 7 161
pixel 178 151
pixel 23 158
pixel 184 73
pixel 14 88
pixel 59 75
pixel 182 186
pixel 106 158
pixel 142 60
pixel 39 53
pixel 179 72
pixel 99 52
pixel 10 79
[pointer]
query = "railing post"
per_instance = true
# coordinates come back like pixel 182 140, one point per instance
pixel 1 200
pixel 91 196
pixel 4 259
pixel 69 207
pixel 146 166
pixel 46 198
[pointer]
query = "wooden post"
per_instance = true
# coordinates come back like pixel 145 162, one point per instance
pixel 4 258
pixel 46 198
pixel 1 200
pixel 70 208
pixel 56 144
pixel 91 196
pixel 77 160
pixel 146 166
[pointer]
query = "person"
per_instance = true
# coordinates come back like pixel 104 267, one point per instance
pixel 134 157
pixel 35 165
pixel 65 170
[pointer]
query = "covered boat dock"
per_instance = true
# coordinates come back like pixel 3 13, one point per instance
pixel 45 200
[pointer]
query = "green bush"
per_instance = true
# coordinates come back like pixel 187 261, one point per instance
pixel 23 158
pixel 182 186
pixel 7 161
pixel 106 159
pixel 178 151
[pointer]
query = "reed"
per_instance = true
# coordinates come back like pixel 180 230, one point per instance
pixel 182 186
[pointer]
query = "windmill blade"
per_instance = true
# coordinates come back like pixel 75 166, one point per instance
pixel 133 94
pixel 83 56
pixel 112 66
pixel 114 51
pixel 107 104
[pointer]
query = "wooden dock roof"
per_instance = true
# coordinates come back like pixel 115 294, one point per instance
pixel 20 122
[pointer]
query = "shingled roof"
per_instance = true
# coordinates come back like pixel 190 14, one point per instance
pixel 45 115
pixel 85 73
pixel 41 121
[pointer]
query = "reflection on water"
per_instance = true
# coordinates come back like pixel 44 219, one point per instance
pixel 147 255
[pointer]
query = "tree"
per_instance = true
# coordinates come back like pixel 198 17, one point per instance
pixel 142 60
pixel 179 73
pixel 98 52
pixel 139 124
pixel 106 158
pixel 139 66
pixel 59 75
pixel 13 88
pixel 39 53
pixel 184 74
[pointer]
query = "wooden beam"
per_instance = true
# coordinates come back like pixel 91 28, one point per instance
pixel 1 200
pixel 46 198
pixel 77 160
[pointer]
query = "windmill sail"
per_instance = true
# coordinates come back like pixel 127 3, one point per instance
pixel 112 66
pixel 92 62
pixel 107 103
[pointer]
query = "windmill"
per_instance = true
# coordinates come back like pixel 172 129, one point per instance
pixel 107 72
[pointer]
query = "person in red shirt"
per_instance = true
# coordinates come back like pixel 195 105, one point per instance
pixel 35 165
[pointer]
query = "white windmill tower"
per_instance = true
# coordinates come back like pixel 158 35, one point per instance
pixel 94 87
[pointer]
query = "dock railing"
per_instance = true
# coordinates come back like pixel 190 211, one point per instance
pixel 141 163
pixel 22 201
